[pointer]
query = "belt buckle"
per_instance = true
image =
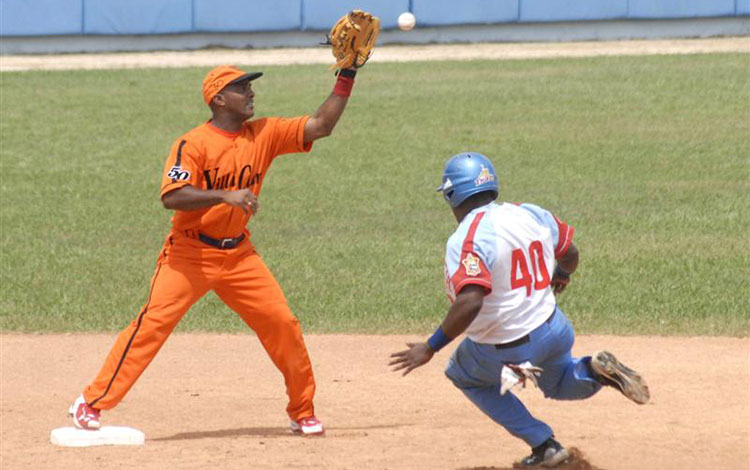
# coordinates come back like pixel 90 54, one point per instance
pixel 225 242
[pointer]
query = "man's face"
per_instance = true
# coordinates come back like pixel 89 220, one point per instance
pixel 238 98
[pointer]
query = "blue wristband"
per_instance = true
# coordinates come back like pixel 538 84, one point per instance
pixel 438 340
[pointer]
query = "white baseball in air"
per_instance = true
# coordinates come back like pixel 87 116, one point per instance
pixel 406 21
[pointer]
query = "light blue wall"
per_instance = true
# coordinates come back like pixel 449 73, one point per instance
pixel 112 17
pixel 572 10
pixel 680 8
pixel 242 15
pixel 322 14
pixel 444 12
pixel 136 16
pixel 22 18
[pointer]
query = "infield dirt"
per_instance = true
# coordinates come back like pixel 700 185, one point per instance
pixel 216 401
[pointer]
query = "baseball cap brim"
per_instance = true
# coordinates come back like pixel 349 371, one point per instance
pixel 248 76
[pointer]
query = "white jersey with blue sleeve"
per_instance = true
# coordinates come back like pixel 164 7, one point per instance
pixel 510 250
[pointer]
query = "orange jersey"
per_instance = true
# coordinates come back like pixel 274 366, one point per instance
pixel 210 158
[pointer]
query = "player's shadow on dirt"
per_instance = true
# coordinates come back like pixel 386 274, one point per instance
pixel 266 432
pixel 577 461
pixel 257 432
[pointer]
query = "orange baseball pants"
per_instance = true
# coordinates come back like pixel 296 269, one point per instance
pixel 185 271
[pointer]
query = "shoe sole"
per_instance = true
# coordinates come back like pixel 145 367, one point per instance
pixel 308 434
pixel 630 383
pixel 561 456
pixel 311 434
pixel 298 430
pixel 558 458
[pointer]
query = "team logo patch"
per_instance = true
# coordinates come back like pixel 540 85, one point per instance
pixel 484 177
pixel 471 265
pixel 178 174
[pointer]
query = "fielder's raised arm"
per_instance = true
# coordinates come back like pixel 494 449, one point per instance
pixel 321 123
pixel 352 39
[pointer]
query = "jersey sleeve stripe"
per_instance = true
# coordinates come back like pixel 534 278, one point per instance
pixel 178 161
pixel 462 278
pixel 468 245
pixel 564 238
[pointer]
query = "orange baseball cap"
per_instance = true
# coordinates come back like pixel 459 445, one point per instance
pixel 222 76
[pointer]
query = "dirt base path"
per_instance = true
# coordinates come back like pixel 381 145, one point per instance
pixel 322 55
pixel 216 401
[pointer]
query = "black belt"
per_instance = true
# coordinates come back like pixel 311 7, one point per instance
pixel 523 339
pixel 221 243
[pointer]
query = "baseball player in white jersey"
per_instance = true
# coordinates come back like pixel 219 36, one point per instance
pixel 503 267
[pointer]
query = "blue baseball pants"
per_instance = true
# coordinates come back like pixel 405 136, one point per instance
pixel 475 369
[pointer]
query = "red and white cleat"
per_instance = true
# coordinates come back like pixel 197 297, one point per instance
pixel 85 416
pixel 309 426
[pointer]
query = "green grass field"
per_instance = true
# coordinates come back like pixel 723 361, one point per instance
pixel 649 157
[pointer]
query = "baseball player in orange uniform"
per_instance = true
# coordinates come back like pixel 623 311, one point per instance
pixel 212 179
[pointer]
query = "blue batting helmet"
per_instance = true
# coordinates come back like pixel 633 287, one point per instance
pixel 466 174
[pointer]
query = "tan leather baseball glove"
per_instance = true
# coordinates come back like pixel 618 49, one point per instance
pixel 352 39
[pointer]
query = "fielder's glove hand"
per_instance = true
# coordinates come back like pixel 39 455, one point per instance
pixel 352 39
